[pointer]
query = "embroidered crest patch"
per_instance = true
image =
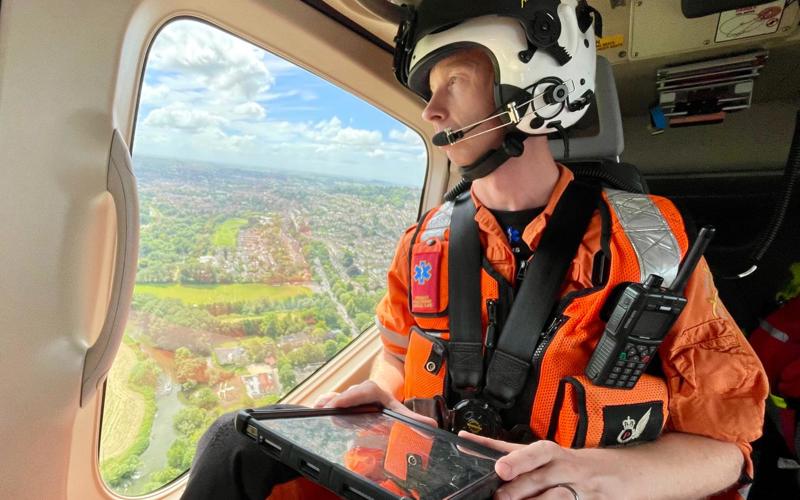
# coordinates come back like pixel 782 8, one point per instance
pixel 624 424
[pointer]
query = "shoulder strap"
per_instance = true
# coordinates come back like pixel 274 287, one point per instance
pixel 510 365
pixel 465 349
pixel 511 362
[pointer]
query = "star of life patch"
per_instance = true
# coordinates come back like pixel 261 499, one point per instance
pixel 425 281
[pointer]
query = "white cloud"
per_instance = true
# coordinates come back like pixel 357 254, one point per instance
pixel 251 110
pixel 180 116
pixel 333 123
pixel 326 148
pixel 406 136
pixel 332 132
pixel 278 95
pixel 304 95
pixel 150 137
pixel 307 95
pixel 274 131
pixel 210 58
pixel 354 136
pixel 277 65
pixel 220 141
pixel 208 97
pixel 154 94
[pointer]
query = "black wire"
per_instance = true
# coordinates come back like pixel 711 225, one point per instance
pixel 790 179
pixel 791 176
pixel 459 188
pixel 599 173
pixel 564 136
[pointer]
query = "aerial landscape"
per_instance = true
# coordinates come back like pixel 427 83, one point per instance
pixel 248 281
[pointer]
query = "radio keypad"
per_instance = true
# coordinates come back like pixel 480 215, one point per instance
pixel 630 365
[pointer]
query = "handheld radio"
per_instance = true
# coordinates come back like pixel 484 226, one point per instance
pixel 639 319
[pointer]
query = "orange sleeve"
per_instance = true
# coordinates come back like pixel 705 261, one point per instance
pixel 393 316
pixel 717 385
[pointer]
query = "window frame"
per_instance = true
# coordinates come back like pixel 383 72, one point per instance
pixel 351 364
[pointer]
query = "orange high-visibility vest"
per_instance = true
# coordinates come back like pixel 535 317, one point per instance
pixel 566 407
pixel 715 385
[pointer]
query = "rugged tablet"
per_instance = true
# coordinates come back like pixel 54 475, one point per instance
pixel 369 452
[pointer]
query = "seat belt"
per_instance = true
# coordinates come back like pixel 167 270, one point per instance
pixel 465 350
pixel 510 364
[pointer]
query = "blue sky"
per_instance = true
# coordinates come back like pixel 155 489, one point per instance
pixel 210 96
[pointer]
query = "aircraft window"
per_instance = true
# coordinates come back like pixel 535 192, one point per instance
pixel 271 202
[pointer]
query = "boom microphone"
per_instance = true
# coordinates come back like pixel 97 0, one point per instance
pixel 446 137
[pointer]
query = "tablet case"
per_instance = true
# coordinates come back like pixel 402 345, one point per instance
pixel 336 478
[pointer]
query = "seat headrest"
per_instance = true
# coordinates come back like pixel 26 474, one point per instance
pixel 598 135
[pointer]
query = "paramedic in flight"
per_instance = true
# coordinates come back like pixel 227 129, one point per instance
pixel 498 77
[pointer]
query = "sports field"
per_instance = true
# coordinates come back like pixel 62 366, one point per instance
pixel 226 233
pixel 124 408
pixel 215 294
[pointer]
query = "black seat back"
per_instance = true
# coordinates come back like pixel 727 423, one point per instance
pixel 596 142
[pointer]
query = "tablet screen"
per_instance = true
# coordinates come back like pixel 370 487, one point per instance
pixel 399 457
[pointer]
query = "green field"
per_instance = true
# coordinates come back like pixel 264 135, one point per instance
pixel 225 235
pixel 238 318
pixel 124 408
pixel 215 294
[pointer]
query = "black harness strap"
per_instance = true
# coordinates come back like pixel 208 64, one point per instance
pixel 465 350
pixel 510 365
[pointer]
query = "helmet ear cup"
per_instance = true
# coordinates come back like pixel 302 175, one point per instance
pixel 556 94
pixel 508 93
pixel 536 122
pixel 544 30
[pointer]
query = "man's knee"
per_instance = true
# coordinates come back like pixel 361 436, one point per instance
pixel 229 464
pixel 222 425
pixel 218 439
pixel 221 437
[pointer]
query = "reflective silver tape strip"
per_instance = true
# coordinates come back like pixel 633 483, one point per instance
pixel 392 336
pixel 434 334
pixel 656 247
pixel 439 222
pixel 744 491
pixel 774 332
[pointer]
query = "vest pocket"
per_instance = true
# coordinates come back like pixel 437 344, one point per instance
pixel 427 291
pixel 425 365
pixel 586 415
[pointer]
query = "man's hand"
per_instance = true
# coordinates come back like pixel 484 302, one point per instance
pixel 365 393
pixel 675 466
pixel 535 470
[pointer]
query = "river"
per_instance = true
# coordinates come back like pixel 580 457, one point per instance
pixel 162 435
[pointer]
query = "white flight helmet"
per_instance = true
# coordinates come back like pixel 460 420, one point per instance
pixel 543 53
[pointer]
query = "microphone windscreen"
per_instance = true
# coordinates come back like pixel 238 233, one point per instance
pixel 440 139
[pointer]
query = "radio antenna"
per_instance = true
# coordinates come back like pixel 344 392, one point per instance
pixel 692 258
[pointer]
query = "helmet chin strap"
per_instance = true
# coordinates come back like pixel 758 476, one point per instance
pixel 511 147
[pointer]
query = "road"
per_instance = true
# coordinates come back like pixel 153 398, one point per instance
pixel 326 286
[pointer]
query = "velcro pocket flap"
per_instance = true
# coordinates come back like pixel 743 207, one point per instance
pixel 588 415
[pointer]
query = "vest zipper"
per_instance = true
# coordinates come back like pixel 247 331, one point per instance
pixel 491 325
pixel 538 354
pixel 556 324
pixel 523 266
